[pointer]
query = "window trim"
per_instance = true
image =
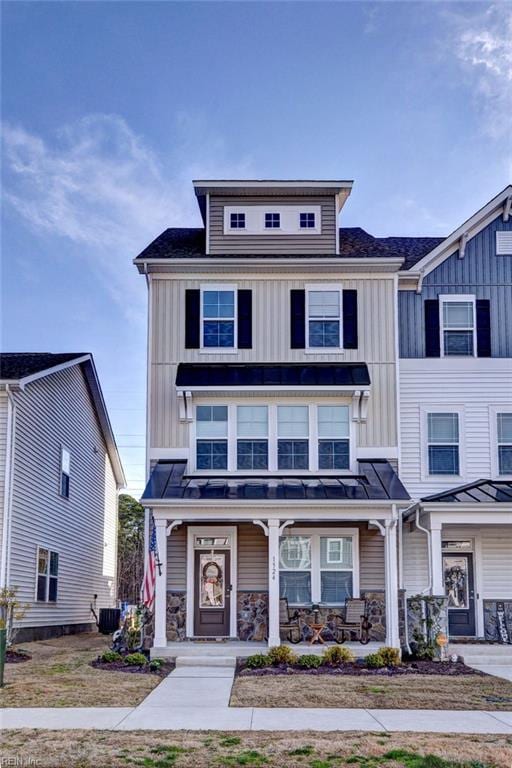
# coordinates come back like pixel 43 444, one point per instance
pixel 331 287
pixel 233 287
pixel 450 298
pixel 494 410
pixel 447 408
pixel 316 570
pixel 307 213
pixel 50 551
pixel 289 220
pixel 64 449
pixel 237 213
pixel 271 228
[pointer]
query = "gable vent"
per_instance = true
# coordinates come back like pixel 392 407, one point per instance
pixel 504 243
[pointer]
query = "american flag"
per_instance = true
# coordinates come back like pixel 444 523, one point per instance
pixel 150 574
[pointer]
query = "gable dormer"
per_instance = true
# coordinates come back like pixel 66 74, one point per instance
pixel 271 217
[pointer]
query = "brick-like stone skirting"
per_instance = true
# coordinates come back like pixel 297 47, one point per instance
pixel 176 616
pixel 252 615
pixel 491 631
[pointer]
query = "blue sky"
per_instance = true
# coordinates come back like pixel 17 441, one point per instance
pixel 110 109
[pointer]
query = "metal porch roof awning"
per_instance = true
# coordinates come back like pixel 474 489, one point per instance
pixel 272 375
pixel 377 481
pixel 479 492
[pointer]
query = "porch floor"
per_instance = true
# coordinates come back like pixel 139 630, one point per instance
pixel 200 648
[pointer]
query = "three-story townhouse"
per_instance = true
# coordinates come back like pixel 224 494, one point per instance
pixel 273 429
pixel 455 326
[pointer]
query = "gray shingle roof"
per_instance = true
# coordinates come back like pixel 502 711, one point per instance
pixel 187 243
pixel 17 365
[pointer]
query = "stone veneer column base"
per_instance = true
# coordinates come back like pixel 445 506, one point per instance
pixel 252 616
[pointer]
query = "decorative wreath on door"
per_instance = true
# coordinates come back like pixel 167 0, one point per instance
pixel 211 572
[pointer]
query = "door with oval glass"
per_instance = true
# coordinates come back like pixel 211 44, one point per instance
pixel 459 588
pixel 212 593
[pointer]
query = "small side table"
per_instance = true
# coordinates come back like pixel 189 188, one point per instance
pixel 317 634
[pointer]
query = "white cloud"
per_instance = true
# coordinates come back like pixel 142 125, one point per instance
pixel 483 45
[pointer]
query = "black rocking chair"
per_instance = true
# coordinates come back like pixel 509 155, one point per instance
pixel 289 626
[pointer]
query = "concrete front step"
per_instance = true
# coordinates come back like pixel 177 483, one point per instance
pixel 206 661
pixel 483 654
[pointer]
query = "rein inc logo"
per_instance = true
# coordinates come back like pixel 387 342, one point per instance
pixel 19 761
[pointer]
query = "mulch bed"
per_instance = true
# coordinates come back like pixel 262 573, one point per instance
pixel 120 666
pixel 16 657
pixel 436 668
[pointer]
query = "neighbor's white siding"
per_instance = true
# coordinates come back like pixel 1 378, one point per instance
pixel 476 386
pixel 415 561
pixel 51 412
pixel 3 454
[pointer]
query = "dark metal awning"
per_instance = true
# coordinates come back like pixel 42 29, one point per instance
pixel 272 375
pixel 377 481
pixel 481 492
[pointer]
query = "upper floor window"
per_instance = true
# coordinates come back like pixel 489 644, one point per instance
pixel 293 437
pixel 272 220
pixel 218 318
pixel 212 437
pixel 65 472
pixel 47 575
pixel 324 317
pixel 307 220
pixel 333 437
pixel 443 443
pixel 504 434
pixel 252 437
pixel 458 326
pixel 237 221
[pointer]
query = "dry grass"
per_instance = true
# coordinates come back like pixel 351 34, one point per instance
pixel 378 692
pixel 156 749
pixel 59 675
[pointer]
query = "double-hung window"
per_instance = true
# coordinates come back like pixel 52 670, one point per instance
pixel 307 220
pixel 443 443
pixel 218 318
pixel 237 220
pixel 47 575
pixel 324 317
pixel 317 568
pixel 272 220
pixel 212 437
pixel 504 434
pixel 292 437
pixel 65 472
pixel 252 437
pixel 458 325
pixel 333 437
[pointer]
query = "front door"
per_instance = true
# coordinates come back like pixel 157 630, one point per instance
pixel 459 588
pixel 212 593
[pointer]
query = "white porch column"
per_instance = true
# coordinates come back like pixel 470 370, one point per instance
pixel 391 574
pixel 436 558
pixel 160 611
pixel 273 583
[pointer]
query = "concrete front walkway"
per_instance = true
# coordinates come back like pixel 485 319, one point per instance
pixel 196 698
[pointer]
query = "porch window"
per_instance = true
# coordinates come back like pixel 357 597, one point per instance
pixel 504 443
pixel 212 434
pixel 335 569
pixel 252 440
pixel 458 326
pixel 47 575
pixel 218 318
pixel 443 444
pixel 333 437
pixel 293 437
pixel 295 567
pixel 324 318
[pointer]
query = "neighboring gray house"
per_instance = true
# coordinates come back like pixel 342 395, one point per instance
pixel 60 472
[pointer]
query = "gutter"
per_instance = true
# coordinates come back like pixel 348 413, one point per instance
pixel 8 477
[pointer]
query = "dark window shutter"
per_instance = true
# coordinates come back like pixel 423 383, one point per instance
pixel 483 328
pixel 432 341
pixel 192 319
pixel 350 319
pixel 298 319
pixel 244 319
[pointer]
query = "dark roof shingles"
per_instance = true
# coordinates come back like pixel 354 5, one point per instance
pixel 481 491
pixel 17 365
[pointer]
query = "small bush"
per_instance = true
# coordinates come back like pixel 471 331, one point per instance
pixel 135 660
pixel 155 664
pixel 374 661
pixel 258 661
pixel 281 654
pixel 109 656
pixel 390 656
pixel 336 655
pixel 309 661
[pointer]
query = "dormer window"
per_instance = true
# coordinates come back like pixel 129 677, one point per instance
pixel 237 221
pixel 307 220
pixel 272 220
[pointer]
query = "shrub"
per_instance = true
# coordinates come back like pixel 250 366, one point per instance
pixel 258 660
pixel 281 654
pixel 374 661
pixel 309 661
pixel 336 655
pixel 109 656
pixel 390 656
pixel 135 660
pixel 155 664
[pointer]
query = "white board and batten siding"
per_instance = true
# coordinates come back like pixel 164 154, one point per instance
pixel 3 454
pixel 477 387
pixel 51 412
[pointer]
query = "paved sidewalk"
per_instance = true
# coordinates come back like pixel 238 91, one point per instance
pixel 197 699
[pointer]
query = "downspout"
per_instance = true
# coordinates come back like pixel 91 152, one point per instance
pixel 428 590
pixel 9 457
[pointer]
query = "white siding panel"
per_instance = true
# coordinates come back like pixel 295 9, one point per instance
pixel 415 561
pixel 3 448
pixel 496 562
